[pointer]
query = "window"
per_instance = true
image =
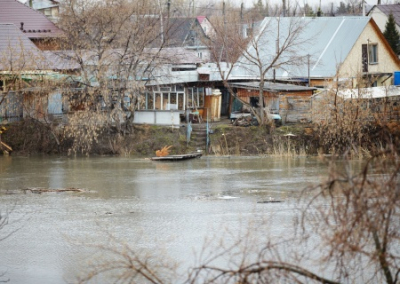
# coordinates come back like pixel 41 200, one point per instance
pixel 150 101
pixel 195 97
pixel 165 100
pixel 184 67
pixel 177 100
pixel 373 53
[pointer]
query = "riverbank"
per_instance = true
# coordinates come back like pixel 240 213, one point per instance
pixel 32 137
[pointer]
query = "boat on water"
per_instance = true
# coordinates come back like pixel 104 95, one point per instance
pixel 177 157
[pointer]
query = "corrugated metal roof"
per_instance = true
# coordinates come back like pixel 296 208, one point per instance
pixel 58 60
pixel 328 41
pixel 17 52
pixel 35 24
pixel 273 87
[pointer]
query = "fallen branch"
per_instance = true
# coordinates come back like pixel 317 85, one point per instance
pixel 40 190
pixel 5 146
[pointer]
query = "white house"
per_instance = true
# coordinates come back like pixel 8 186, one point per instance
pixel 380 14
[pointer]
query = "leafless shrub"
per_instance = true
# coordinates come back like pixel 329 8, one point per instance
pixel 120 263
pixel 84 128
pixel 357 217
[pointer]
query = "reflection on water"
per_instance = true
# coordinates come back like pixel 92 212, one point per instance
pixel 150 205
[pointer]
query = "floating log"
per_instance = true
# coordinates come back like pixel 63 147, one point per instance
pixel 270 201
pixel 40 190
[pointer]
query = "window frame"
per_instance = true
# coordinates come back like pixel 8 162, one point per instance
pixel 373 54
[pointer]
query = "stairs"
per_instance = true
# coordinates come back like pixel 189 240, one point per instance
pixel 198 138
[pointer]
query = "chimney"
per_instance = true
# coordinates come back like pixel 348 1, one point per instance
pixel 30 3
pixel 22 26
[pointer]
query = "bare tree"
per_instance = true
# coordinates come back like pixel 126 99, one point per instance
pixel 250 57
pixel 124 264
pixel 117 45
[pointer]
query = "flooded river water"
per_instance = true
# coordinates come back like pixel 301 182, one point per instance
pixel 157 206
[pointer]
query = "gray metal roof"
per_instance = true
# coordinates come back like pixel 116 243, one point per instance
pixel 272 87
pixel 328 41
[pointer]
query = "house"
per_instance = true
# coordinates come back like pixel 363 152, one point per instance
pixel 35 25
pixel 380 14
pixel 319 52
pixel 174 92
pixel 50 8
pixel 189 33
pixel 206 25
pixel 24 71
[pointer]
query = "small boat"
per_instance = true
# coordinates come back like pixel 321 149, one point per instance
pixel 177 157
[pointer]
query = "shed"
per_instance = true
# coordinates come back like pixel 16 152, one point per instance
pixel 291 102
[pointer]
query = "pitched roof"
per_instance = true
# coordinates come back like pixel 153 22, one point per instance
pixel 18 53
pixel 179 30
pixel 328 41
pixel 389 9
pixel 201 19
pixel 33 23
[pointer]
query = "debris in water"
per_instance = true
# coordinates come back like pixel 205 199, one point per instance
pixel 40 189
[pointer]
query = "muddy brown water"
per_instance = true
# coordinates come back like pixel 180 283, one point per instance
pixel 169 208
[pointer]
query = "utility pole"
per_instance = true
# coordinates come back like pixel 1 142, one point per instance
pixel 241 21
pixel 363 7
pixel 308 67
pixel 284 8
pixel 161 22
pixel 223 43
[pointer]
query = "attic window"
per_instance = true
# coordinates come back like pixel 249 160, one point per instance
pixel 373 53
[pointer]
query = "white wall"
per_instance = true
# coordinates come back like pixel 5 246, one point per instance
pixel 380 19
pixel 157 117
